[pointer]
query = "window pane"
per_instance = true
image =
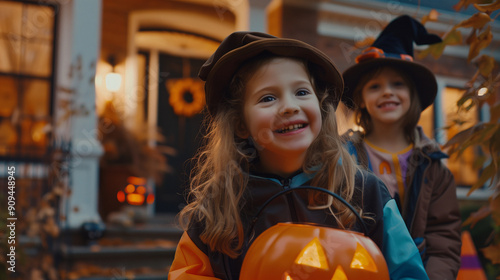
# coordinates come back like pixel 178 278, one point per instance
pixel 36 98
pixel 37 59
pixel 38 23
pixel 8 96
pixel 8 137
pixel 26 34
pixel 10 18
pixel 461 167
pixel 33 137
pixel 10 35
pixel 9 55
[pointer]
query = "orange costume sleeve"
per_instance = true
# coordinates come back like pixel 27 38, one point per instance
pixel 190 263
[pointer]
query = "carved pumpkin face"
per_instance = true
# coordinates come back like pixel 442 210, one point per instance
pixel 136 192
pixel 299 252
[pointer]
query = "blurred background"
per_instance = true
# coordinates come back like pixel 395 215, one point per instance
pixel 100 112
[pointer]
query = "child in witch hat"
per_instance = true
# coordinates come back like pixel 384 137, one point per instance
pixel 271 127
pixel 388 91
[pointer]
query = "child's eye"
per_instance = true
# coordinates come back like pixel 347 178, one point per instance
pixel 303 92
pixel 267 98
pixel 399 83
pixel 374 86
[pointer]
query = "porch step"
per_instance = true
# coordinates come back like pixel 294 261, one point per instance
pixel 141 252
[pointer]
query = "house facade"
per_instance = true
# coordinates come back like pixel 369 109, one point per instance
pixel 57 56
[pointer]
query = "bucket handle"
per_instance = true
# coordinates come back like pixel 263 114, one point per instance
pixel 256 216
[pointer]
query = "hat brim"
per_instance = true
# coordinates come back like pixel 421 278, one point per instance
pixel 221 74
pixel 423 78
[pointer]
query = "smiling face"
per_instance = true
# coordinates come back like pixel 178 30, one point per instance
pixel 386 98
pixel 282 114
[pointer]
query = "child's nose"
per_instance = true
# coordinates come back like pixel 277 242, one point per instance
pixel 388 90
pixel 289 107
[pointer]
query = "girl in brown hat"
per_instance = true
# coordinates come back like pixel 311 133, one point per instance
pixel 271 127
pixel 388 91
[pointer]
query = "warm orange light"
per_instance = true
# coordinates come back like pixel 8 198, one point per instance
pixel 129 188
pixel 363 260
pixel 136 180
pixel 287 276
pixel 140 190
pixel 136 192
pixel 339 274
pixel 313 255
pixel 150 199
pixel 135 199
pixel 38 132
pixel 120 196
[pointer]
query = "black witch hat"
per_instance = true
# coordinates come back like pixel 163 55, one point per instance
pixel 394 47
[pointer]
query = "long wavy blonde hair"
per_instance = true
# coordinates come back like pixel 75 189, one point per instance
pixel 222 165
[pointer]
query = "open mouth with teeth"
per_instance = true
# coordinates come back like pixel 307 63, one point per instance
pixel 292 127
pixel 388 105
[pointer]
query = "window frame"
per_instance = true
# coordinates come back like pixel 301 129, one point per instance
pixel 31 153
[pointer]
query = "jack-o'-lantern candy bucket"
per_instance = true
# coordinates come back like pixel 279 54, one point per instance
pixel 288 251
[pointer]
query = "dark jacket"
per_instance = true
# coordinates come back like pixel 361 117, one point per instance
pixel 431 210
pixel 386 229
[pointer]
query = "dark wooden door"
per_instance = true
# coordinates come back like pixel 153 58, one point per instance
pixel 181 132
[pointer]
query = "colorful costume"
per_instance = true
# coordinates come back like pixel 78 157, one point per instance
pixel 424 188
pixel 429 205
pixel 194 260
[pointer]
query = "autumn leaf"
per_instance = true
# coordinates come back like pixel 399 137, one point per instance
pixel 454 37
pixel 472 37
pixel 485 64
pixel 477 216
pixel 436 50
pixel 495 206
pixel 488 8
pixel 492 253
pixel 460 137
pixel 484 134
pixel 475 135
pixel 486 175
pixel 482 41
pixel 479 162
pixel 493 98
pixel 432 16
pixel 477 21
pixel 463 4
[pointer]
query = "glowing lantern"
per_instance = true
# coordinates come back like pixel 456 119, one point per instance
pixel 136 192
pixel 305 251
pixel 302 251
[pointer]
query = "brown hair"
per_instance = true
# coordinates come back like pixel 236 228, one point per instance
pixel 362 117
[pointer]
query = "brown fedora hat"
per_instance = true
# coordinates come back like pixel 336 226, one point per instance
pixel 394 47
pixel 242 46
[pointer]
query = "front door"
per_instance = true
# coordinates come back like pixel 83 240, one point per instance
pixel 179 120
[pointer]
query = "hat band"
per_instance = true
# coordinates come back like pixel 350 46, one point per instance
pixel 373 52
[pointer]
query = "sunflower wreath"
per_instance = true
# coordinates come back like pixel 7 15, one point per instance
pixel 187 96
